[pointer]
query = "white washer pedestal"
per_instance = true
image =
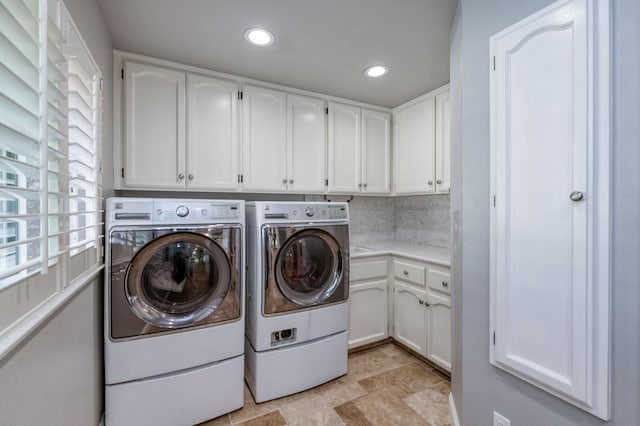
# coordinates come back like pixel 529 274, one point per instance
pixel 183 398
pixel 280 372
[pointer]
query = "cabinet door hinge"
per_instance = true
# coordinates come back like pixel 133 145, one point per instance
pixel 494 338
pixel 122 74
pixel 326 110
pixel 122 172
pixel 239 180
pixel 101 84
pixel 326 182
pixel 240 94
pixel 494 63
pixel 494 201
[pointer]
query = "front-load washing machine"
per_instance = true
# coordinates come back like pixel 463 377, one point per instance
pixel 174 311
pixel 297 294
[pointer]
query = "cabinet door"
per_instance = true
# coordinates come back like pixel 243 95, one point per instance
pixel 264 143
pixel 550 242
pixel 154 135
pixel 376 152
pixel 367 312
pixel 443 142
pixel 306 139
pixel 212 133
pixel 410 317
pixel 344 148
pixel 414 148
pixel 439 329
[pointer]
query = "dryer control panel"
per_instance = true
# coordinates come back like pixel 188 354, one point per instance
pixel 305 211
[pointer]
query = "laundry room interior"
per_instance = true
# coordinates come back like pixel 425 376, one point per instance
pixel 319 212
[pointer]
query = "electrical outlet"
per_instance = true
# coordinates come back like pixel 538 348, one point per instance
pixel 500 420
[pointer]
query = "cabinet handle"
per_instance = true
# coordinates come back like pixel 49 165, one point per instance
pixel 181 176
pixel 430 183
pixel 576 196
pixel 421 301
pixel 405 272
pixel 190 177
pixel 445 284
pixel 291 181
pixel 438 181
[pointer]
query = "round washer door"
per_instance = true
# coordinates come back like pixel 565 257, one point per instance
pixel 177 279
pixel 309 267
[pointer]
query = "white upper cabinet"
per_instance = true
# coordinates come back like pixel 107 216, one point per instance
pixel 345 126
pixel 212 133
pixel 414 141
pixel 550 242
pixel 306 144
pixel 154 122
pixel 376 152
pixel 359 150
pixel 422 140
pixel 443 143
pixel 181 130
pixel 264 140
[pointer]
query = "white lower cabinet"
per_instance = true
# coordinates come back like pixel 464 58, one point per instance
pixel 420 311
pixel 367 301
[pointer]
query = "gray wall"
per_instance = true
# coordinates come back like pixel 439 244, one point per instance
pixel 55 377
pixel 479 388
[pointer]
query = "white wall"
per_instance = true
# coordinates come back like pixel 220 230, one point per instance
pixel 55 377
pixel 478 387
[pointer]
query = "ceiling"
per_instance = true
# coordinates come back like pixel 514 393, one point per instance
pixel 321 45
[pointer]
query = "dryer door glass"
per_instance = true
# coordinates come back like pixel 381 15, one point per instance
pixel 309 267
pixel 177 279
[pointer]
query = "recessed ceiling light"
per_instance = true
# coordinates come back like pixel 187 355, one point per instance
pixel 259 36
pixel 376 70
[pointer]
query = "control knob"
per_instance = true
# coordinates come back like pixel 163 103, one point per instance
pixel 309 211
pixel 182 211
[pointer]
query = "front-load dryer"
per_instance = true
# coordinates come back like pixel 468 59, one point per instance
pixel 174 311
pixel 297 294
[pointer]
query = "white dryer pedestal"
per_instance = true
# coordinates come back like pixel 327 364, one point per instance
pixel 284 371
pixel 183 398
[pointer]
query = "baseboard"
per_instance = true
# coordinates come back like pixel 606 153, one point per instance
pixel 371 345
pixel 453 412
pixel 101 420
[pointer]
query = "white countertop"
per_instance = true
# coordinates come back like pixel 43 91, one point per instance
pixel 420 252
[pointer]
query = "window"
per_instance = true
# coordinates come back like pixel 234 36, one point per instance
pixel 50 155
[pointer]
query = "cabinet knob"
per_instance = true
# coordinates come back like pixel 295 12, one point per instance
pixel 430 183
pixel 181 176
pixel 445 284
pixel 576 196
pixel 284 181
pixel 190 177
pixel 426 304
pixel 438 181
pixel 405 272
pixel 421 301
pixel 291 181
pixel 365 186
pixel 359 185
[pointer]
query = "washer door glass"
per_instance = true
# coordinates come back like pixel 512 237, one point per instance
pixel 309 267
pixel 177 279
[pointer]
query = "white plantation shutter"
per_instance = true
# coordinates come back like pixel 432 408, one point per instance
pixel 21 144
pixel 50 158
pixel 85 134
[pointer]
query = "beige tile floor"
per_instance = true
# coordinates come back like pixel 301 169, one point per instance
pixel 384 386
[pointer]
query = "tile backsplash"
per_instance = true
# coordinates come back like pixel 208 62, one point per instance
pixel 422 219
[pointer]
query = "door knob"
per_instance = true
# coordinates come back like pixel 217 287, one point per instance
pixel 576 196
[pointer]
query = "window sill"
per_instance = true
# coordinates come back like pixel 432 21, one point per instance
pixel 23 329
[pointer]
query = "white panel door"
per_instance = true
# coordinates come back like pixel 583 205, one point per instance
pixel 306 139
pixel 376 152
pixel 546 249
pixel 439 329
pixel 414 137
pixel 367 312
pixel 213 144
pixel 410 317
pixel 344 148
pixel 443 142
pixel 264 142
pixel 154 140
